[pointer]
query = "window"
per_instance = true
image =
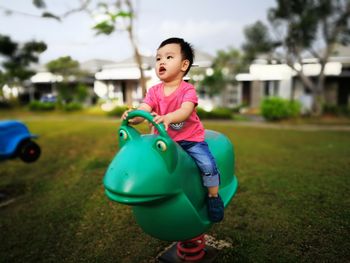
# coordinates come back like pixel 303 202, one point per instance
pixel 271 88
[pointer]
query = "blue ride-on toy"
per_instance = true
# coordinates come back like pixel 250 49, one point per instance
pixel 16 141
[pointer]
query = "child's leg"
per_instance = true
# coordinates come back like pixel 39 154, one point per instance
pixel 213 191
pixel 211 178
pixel 205 161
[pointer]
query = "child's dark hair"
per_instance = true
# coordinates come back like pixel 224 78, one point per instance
pixel 186 49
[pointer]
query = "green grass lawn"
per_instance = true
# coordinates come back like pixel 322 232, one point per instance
pixel 292 204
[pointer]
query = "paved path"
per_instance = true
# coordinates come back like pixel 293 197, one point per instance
pixel 300 127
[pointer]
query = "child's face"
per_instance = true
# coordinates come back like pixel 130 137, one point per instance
pixel 169 63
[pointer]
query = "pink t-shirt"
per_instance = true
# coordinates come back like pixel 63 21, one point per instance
pixel 188 130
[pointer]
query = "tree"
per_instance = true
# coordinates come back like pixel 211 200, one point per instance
pixel 40 4
pixel 17 59
pixel 69 70
pixel 120 16
pixel 64 66
pixel 225 65
pixel 258 41
pixel 311 27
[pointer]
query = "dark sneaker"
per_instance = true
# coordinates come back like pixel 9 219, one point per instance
pixel 215 209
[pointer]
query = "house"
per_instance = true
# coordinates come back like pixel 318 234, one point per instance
pixel 44 83
pixel 120 82
pixel 264 80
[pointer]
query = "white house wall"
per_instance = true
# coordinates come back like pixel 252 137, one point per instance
pixel 108 90
pixel 270 72
pixel 118 74
pixel 261 75
pixel 331 69
pixel 285 89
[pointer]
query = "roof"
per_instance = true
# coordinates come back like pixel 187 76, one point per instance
pixel 202 59
pixel 148 62
pixel 127 69
pixel 45 77
pixel 127 73
pixel 94 65
pixel 267 72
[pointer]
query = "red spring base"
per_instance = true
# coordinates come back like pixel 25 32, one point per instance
pixel 191 250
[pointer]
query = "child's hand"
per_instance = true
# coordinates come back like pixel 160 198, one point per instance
pixel 165 119
pixel 125 115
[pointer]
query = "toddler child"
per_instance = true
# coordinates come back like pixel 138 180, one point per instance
pixel 173 102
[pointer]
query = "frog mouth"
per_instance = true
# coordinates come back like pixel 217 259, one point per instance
pixel 130 199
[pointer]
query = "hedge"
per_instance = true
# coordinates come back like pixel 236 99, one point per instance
pixel 274 109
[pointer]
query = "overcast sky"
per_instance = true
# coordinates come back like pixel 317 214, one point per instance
pixel 209 25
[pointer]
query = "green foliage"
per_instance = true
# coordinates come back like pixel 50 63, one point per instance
pixel 7 46
pixel 118 111
pixel 274 109
pixel 294 109
pixel 50 15
pixel 41 106
pixel 109 24
pixel 15 59
pixel 39 3
pixel 225 65
pixel 82 92
pixel 214 83
pixel 72 106
pixel 68 91
pixel 104 27
pixel 217 113
pixel 336 110
pixel 303 27
pixel 65 92
pixel 51 106
pixel 64 65
pixel 257 41
pixel 304 19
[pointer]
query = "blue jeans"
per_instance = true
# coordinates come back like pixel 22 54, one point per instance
pixel 205 161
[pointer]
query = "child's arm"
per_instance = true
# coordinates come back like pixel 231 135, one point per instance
pixel 137 120
pixel 177 116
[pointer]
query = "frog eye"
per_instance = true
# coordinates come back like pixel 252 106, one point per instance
pixel 161 146
pixel 123 134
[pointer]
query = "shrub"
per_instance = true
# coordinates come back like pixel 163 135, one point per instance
pixel 201 113
pixel 274 109
pixel 117 111
pixel 294 109
pixel 217 113
pixel 41 106
pixel 336 110
pixel 72 106
pixel 5 104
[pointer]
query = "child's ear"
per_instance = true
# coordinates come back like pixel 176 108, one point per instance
pixel 185 65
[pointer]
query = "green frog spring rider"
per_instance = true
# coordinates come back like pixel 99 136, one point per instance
pixel 161 182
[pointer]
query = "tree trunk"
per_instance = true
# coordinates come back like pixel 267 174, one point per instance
pixel 317 103
pixel 318 94
pixel 138 59
pixel 316 89
pixel 137 54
